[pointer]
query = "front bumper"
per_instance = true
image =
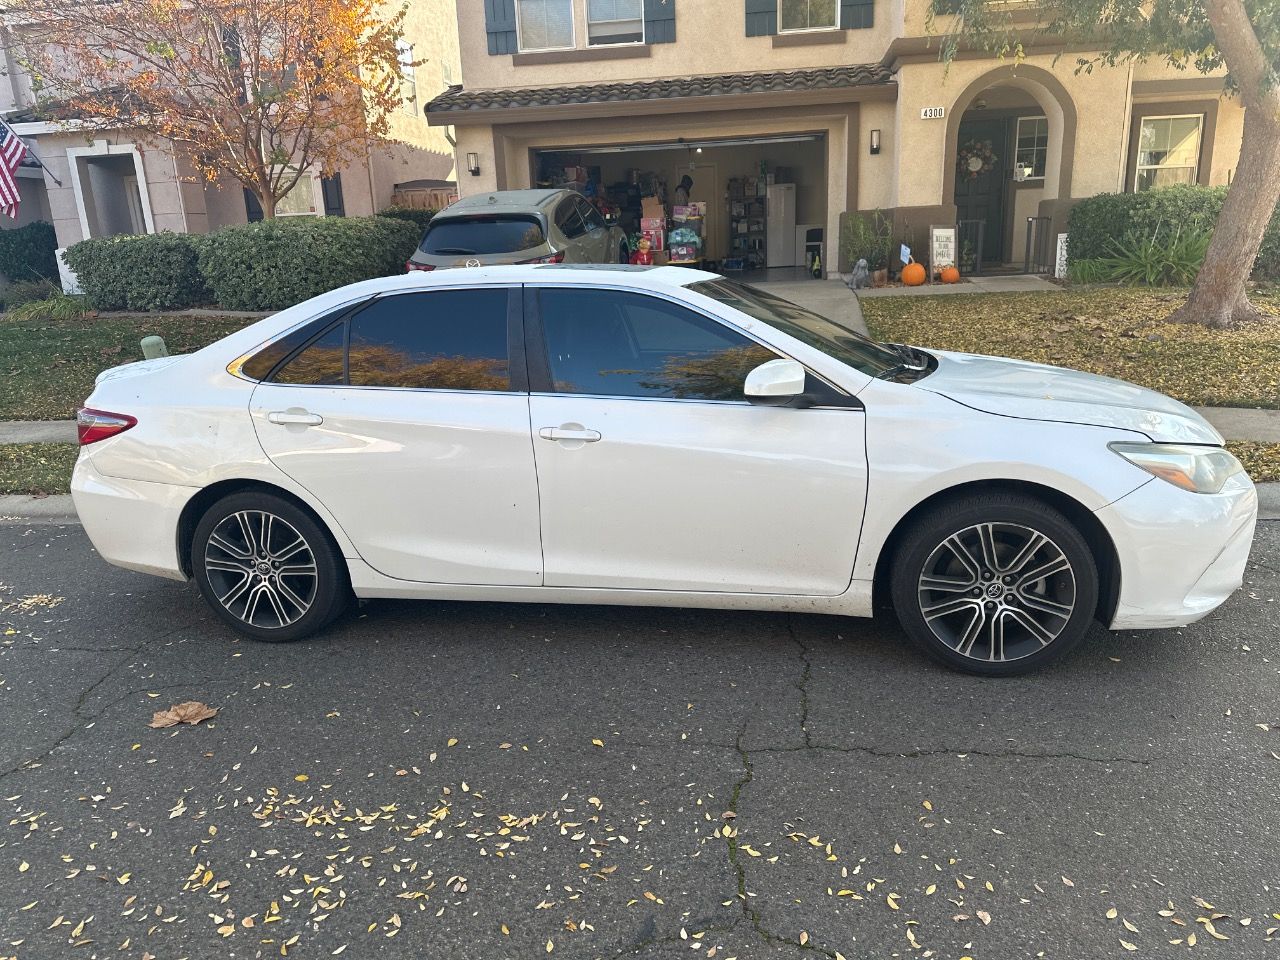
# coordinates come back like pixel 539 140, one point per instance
pixel 1181 554
pixel 131 523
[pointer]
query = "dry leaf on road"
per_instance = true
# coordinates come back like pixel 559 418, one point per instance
pixel 193 711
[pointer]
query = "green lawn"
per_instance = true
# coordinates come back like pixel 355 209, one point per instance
pixel 47 367
pixel 1116 332
pixel 42 468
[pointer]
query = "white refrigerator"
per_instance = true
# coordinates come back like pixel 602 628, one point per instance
pixel 780 237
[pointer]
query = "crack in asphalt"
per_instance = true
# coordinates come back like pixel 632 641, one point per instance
pixel 803 685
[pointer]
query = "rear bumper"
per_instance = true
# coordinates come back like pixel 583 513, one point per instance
pixel 1181 554
pixel 132 523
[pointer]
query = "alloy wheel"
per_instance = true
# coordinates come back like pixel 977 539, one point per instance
pixel 261 569
pixel 997 592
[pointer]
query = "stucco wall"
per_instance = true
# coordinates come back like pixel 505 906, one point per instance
pixel 710 38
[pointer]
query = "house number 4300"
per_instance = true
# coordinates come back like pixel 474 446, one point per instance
pixel 932 113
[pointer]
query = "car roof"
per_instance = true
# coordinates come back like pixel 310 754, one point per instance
pixel 504 200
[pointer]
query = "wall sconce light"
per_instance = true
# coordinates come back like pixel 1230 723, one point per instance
pixel 875 142
pixel 473 164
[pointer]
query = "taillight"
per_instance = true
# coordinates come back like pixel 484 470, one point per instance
pixel 557 257
pixel 94 425
pixel 410 266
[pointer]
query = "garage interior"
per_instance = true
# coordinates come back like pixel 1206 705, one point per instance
pixel 738 179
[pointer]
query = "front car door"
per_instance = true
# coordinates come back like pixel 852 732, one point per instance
pixel 654 471
pixel 597 238
pixel 573 231
pixel 408 418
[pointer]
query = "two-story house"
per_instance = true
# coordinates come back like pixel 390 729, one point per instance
pixel 846 99
pixel 108 181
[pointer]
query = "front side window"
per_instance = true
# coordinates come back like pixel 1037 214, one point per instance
pixel 545 24
pixel 807 14
pixel 1168 151
pixel 569 219
pixel 615 21
pixel 444 340
pixel 1033 148
pixel 591 217
pixel 617 344
pixel 840 343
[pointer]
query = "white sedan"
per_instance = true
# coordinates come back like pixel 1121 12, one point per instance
pixel 655 436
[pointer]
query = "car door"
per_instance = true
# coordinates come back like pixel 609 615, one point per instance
pixel 409 420
pixel 654 471
pixel 596 239
pixel 570 224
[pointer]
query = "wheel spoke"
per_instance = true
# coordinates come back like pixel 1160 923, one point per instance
pixel 995 633
pixel 961 553
pixel 290 550
pixel 286 592
pixel 276 606
pixel 246 530
pixel 237 590
pixel 1043 604
pixel 228 566
pixel 1034 628
pixel 1047 569
pixel 947 607
pixel 1023 556
pixel 987 543
pixel 227 547
pixel 946 584
pixel 972 631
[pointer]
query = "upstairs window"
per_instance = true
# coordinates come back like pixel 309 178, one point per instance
pixel 545 24
pixel 1033 148
pixel 1168 151
pixel 798 15
pixel 408 79
pixel 615 21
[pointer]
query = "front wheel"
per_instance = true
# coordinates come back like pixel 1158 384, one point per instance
pixel 267 568
pixel 996 585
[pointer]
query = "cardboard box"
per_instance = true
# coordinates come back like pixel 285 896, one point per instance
pixel 652 208
pixel 656 239
pixel 661 258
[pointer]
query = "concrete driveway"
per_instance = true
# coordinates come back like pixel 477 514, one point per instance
pixel 480 781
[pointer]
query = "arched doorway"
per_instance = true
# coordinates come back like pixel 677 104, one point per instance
pixel 1010 143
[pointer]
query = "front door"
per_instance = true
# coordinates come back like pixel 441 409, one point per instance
pixel 408 421
pixel 981 182
pixel 654 471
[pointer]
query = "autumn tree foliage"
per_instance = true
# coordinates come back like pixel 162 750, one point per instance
pixel 261 90
pixel 1205 36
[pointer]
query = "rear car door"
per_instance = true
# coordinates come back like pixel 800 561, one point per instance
pixel 655 473
pixel 408 419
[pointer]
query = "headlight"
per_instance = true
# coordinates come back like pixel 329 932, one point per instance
pixel 1195 468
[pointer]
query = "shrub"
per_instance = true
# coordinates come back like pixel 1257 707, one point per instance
pixel 1167 258
pixel 59 306
pixel 154 271
pixel 24 291
pixel 27 252
pixel 866 236
pixel 276 263
pixel 412 214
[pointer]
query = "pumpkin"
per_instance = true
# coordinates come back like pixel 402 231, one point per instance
pixel 950 274
pixel 913 274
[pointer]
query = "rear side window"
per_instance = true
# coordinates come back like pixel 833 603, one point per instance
pixel 468 236
pixel 569 219
pixel 444 340
pixel 448 340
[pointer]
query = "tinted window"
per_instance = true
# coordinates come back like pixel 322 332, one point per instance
pixel 463 236
pixel 447 340
pixel 569 220
pixel 318 364
pixel 617 344
pixel 590 215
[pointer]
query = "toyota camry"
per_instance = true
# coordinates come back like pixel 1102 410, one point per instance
pixel 655 436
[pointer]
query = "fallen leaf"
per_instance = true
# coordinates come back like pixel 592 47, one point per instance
pixel 193 711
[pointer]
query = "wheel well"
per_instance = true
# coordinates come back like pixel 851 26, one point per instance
pixel 202 501
pixel 1094 533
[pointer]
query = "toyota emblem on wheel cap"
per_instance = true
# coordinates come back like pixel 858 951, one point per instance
pixel 473 263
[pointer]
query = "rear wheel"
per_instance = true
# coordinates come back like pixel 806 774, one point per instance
pixel 267 568
pixel 995 585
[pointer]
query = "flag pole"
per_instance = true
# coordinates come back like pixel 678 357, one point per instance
pixel 31 152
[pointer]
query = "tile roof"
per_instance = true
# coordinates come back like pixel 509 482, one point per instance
pixel 457 99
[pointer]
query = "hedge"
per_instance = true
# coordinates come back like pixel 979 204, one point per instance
pixel 1096 221
pixel 155 271
pixel 276 263
pixel 27 252
pixel 413 214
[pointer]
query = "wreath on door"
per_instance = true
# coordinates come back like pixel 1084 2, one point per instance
pixel 976 158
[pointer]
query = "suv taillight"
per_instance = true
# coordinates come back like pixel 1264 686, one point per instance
pixel 410 266
pixel 94 425
pixel 557 257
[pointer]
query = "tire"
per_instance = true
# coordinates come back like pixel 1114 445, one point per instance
pixel 995 585
pixel 283 587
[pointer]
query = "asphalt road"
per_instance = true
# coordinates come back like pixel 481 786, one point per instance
pixel 482 781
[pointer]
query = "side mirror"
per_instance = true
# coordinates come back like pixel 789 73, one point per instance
pixel 776 383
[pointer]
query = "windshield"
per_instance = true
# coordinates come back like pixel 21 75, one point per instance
pixel 484 234
pixel 840 343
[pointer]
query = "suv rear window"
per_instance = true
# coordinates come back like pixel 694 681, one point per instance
pixel 462 236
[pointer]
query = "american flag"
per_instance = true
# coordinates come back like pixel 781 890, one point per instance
pixel 12 150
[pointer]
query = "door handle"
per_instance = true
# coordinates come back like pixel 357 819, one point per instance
pixel 300 417
pixel 569 433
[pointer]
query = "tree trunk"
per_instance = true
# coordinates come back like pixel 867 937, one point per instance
pixel 1218 298
pixel 267 202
